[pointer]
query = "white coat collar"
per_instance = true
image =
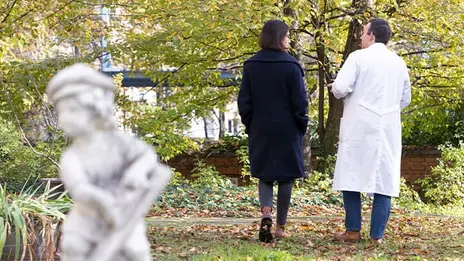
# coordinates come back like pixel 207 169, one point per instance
pixel 378 46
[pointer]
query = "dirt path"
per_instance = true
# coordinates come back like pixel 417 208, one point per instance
pixel 219 221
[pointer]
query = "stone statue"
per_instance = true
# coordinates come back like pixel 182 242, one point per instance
pixel 112 177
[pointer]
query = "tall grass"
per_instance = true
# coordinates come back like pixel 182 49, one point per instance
pixel 28 219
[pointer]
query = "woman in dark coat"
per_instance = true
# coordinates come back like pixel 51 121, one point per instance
pixel 273 106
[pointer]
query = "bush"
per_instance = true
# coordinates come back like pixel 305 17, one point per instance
pixel 208 176
pixel 19 164
pixel 446 183
pixel 210 191
pixel 322 181
pixel 408 196
pixel 207 191
pixel 431 127
pixel 177 178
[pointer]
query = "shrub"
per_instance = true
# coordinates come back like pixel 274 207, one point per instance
pixel 408 196
pixel 207 176
pixel 322 181
pixel 19 164
pixel 446 183
pixel 431 127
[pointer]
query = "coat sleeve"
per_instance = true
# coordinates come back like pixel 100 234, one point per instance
pixel 299 99
pixel 406 95
pixel 346 77
pixel 244 101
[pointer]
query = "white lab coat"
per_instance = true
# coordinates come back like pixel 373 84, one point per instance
pixel 375 84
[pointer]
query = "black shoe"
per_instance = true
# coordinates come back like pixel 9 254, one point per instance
pixel 265 234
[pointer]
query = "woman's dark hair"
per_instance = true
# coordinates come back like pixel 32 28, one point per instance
pixel 381 29
pixel 272 35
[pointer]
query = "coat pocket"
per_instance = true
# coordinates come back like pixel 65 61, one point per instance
pixel 370 121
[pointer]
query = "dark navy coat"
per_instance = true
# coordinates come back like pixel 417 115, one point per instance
pixel 273 106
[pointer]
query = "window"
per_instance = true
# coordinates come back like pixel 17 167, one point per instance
pixel 230 125
pixel 235 126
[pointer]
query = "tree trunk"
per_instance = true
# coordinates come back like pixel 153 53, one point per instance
pixel 222 125
pixel 330 138
pixel 320 52
pixel 205 125
pixel 297 53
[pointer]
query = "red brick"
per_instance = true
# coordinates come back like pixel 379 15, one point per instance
pixel 413 166
pixel 416 159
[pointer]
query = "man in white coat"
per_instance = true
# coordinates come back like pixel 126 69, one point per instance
pixel 375 84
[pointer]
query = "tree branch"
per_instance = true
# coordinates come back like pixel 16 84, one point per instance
pixel 59 9
pixel 23 134
pixel 423 107
pixel 312 90
pixel 9 11
pixel 210 45
pixel 305 31
pixel 340 16
pixel 333 50
pixel 312 70
pixel 99 4
pixel 424 51
pixel 232 58
pixel 433 67
pixel 441 86
pixel 309 56
pixel 161 81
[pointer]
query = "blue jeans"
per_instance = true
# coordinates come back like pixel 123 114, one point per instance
pixel 379 217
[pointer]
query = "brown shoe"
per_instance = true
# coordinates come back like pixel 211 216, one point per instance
pixel 348 236
pixel 280 232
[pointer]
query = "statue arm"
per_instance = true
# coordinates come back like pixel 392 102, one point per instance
pixel 138 174
pixel 81 189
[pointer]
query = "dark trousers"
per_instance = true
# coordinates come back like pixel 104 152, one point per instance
pixel 284 194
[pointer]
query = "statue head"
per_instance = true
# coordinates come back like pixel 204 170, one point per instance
pixel 83 99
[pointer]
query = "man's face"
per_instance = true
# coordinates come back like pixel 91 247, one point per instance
pixel 367 39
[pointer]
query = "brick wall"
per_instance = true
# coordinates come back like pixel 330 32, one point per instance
pixel 226 163
pixel 415 164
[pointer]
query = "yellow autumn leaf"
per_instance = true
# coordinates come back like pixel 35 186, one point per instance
pixel 229 35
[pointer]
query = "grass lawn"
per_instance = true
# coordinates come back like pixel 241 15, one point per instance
pixel 407 238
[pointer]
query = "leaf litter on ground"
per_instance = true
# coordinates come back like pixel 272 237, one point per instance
pixel 407 237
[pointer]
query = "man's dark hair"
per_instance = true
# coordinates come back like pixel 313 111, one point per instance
pixel 381 29
pixel 272 35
